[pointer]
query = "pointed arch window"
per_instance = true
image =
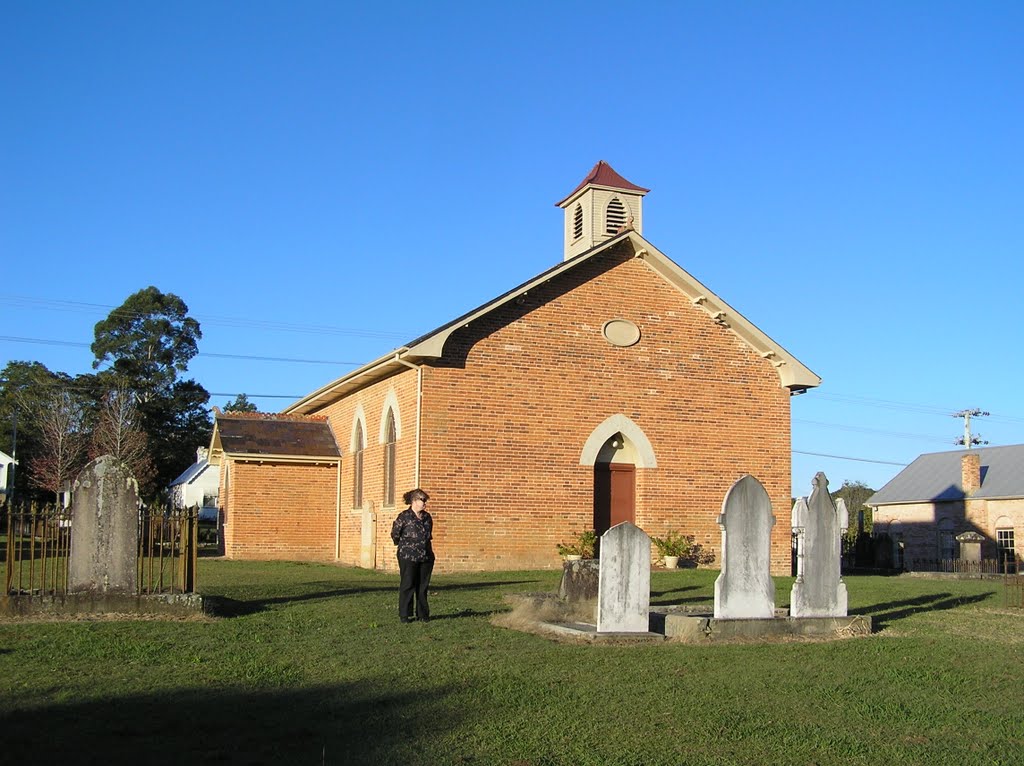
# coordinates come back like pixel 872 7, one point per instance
pixel 577 222
pixel 615 216
pixel 390 439
pixel 357 466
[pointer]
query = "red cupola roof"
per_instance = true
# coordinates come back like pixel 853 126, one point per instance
pixel 603 174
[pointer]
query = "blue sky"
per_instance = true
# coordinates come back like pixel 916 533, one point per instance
pixel 846 175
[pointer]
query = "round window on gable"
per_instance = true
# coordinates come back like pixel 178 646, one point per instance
pixel 621 332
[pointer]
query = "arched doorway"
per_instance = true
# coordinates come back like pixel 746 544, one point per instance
pixel 614 484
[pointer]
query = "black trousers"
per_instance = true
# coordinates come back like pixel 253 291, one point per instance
pixel 415 581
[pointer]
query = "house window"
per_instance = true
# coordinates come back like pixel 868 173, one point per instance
pixel 615 216
pixel 577 222
pixel 947 544
pixel 1006 550
pixel 357 467
pixel 389 460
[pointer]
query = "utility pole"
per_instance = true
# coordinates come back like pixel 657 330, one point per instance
pixel 967 440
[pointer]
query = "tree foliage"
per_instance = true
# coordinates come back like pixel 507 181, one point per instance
pixel 135 408
pixel 148 340
pixel 856 494
pixel 240 403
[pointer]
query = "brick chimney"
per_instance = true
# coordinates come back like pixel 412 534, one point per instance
pixel 970 472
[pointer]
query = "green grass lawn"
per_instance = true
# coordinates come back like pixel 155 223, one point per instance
pixel 311 666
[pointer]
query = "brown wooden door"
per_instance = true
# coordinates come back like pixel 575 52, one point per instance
pixel 614 495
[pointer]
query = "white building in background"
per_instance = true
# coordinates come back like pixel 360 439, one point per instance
pixel 6 461
pixel 198 484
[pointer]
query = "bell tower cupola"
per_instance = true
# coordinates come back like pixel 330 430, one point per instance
pixel 602 206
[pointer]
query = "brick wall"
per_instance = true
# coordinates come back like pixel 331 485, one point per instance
pixel 507 412
pixel 371 404
pixel 918 523
pixel 279 510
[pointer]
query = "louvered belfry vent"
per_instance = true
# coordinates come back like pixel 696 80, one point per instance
pixel 615 218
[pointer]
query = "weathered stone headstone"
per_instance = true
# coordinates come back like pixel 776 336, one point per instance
pixel 104 529
pixel 819 590
pixel 579 580
pixel 970 546
pixel 744 589
pixel 624 580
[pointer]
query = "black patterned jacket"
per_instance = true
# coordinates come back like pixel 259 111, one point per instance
pixel 412 536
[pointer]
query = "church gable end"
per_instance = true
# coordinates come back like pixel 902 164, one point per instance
pixel 612 385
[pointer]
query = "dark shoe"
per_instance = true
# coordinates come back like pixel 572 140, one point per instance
pixel 405 619
pixel 424 619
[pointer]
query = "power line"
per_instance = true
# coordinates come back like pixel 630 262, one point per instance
pixel 887 404
pixel 861 429
pixel 82 307
pixel 846 457
pixel 255 396
pixel 49 342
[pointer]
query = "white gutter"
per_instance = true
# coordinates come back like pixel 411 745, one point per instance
pixel 419 409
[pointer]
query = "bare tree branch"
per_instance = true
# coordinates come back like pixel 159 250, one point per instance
pixel 58 415
pixel 118 432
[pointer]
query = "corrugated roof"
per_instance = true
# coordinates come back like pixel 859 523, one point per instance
pixel 937 477
pixel 603 174
pixel 190 473
pixel 288 436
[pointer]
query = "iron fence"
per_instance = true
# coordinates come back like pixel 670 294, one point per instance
pixel 1013 591
pixel 1001 566
pixel 37 550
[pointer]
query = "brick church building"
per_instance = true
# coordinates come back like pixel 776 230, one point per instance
pixel 613 386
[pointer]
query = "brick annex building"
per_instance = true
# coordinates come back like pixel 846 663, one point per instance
pixel 613 386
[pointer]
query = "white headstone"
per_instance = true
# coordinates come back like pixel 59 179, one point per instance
pixel 819 590
pixel 624 580
pixel 744 589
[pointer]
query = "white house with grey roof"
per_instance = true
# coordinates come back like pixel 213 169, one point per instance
pixel 944 494
pixel 198 484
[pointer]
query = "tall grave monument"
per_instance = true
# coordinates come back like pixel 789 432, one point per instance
pixel 104 529
pixel 745 590
pixel 624 580
pixel 819 590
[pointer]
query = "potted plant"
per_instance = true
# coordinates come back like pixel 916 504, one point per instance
pixel 672 547
pixel 582 548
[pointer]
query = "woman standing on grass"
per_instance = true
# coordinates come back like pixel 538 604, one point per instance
pixel 412 532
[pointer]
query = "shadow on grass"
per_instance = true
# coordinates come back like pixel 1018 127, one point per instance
pixel 466 613
pixel 330 724
pixel 225 606
pixel 891 611
pixel 674 590
pixel 667 597
pixel 479 585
